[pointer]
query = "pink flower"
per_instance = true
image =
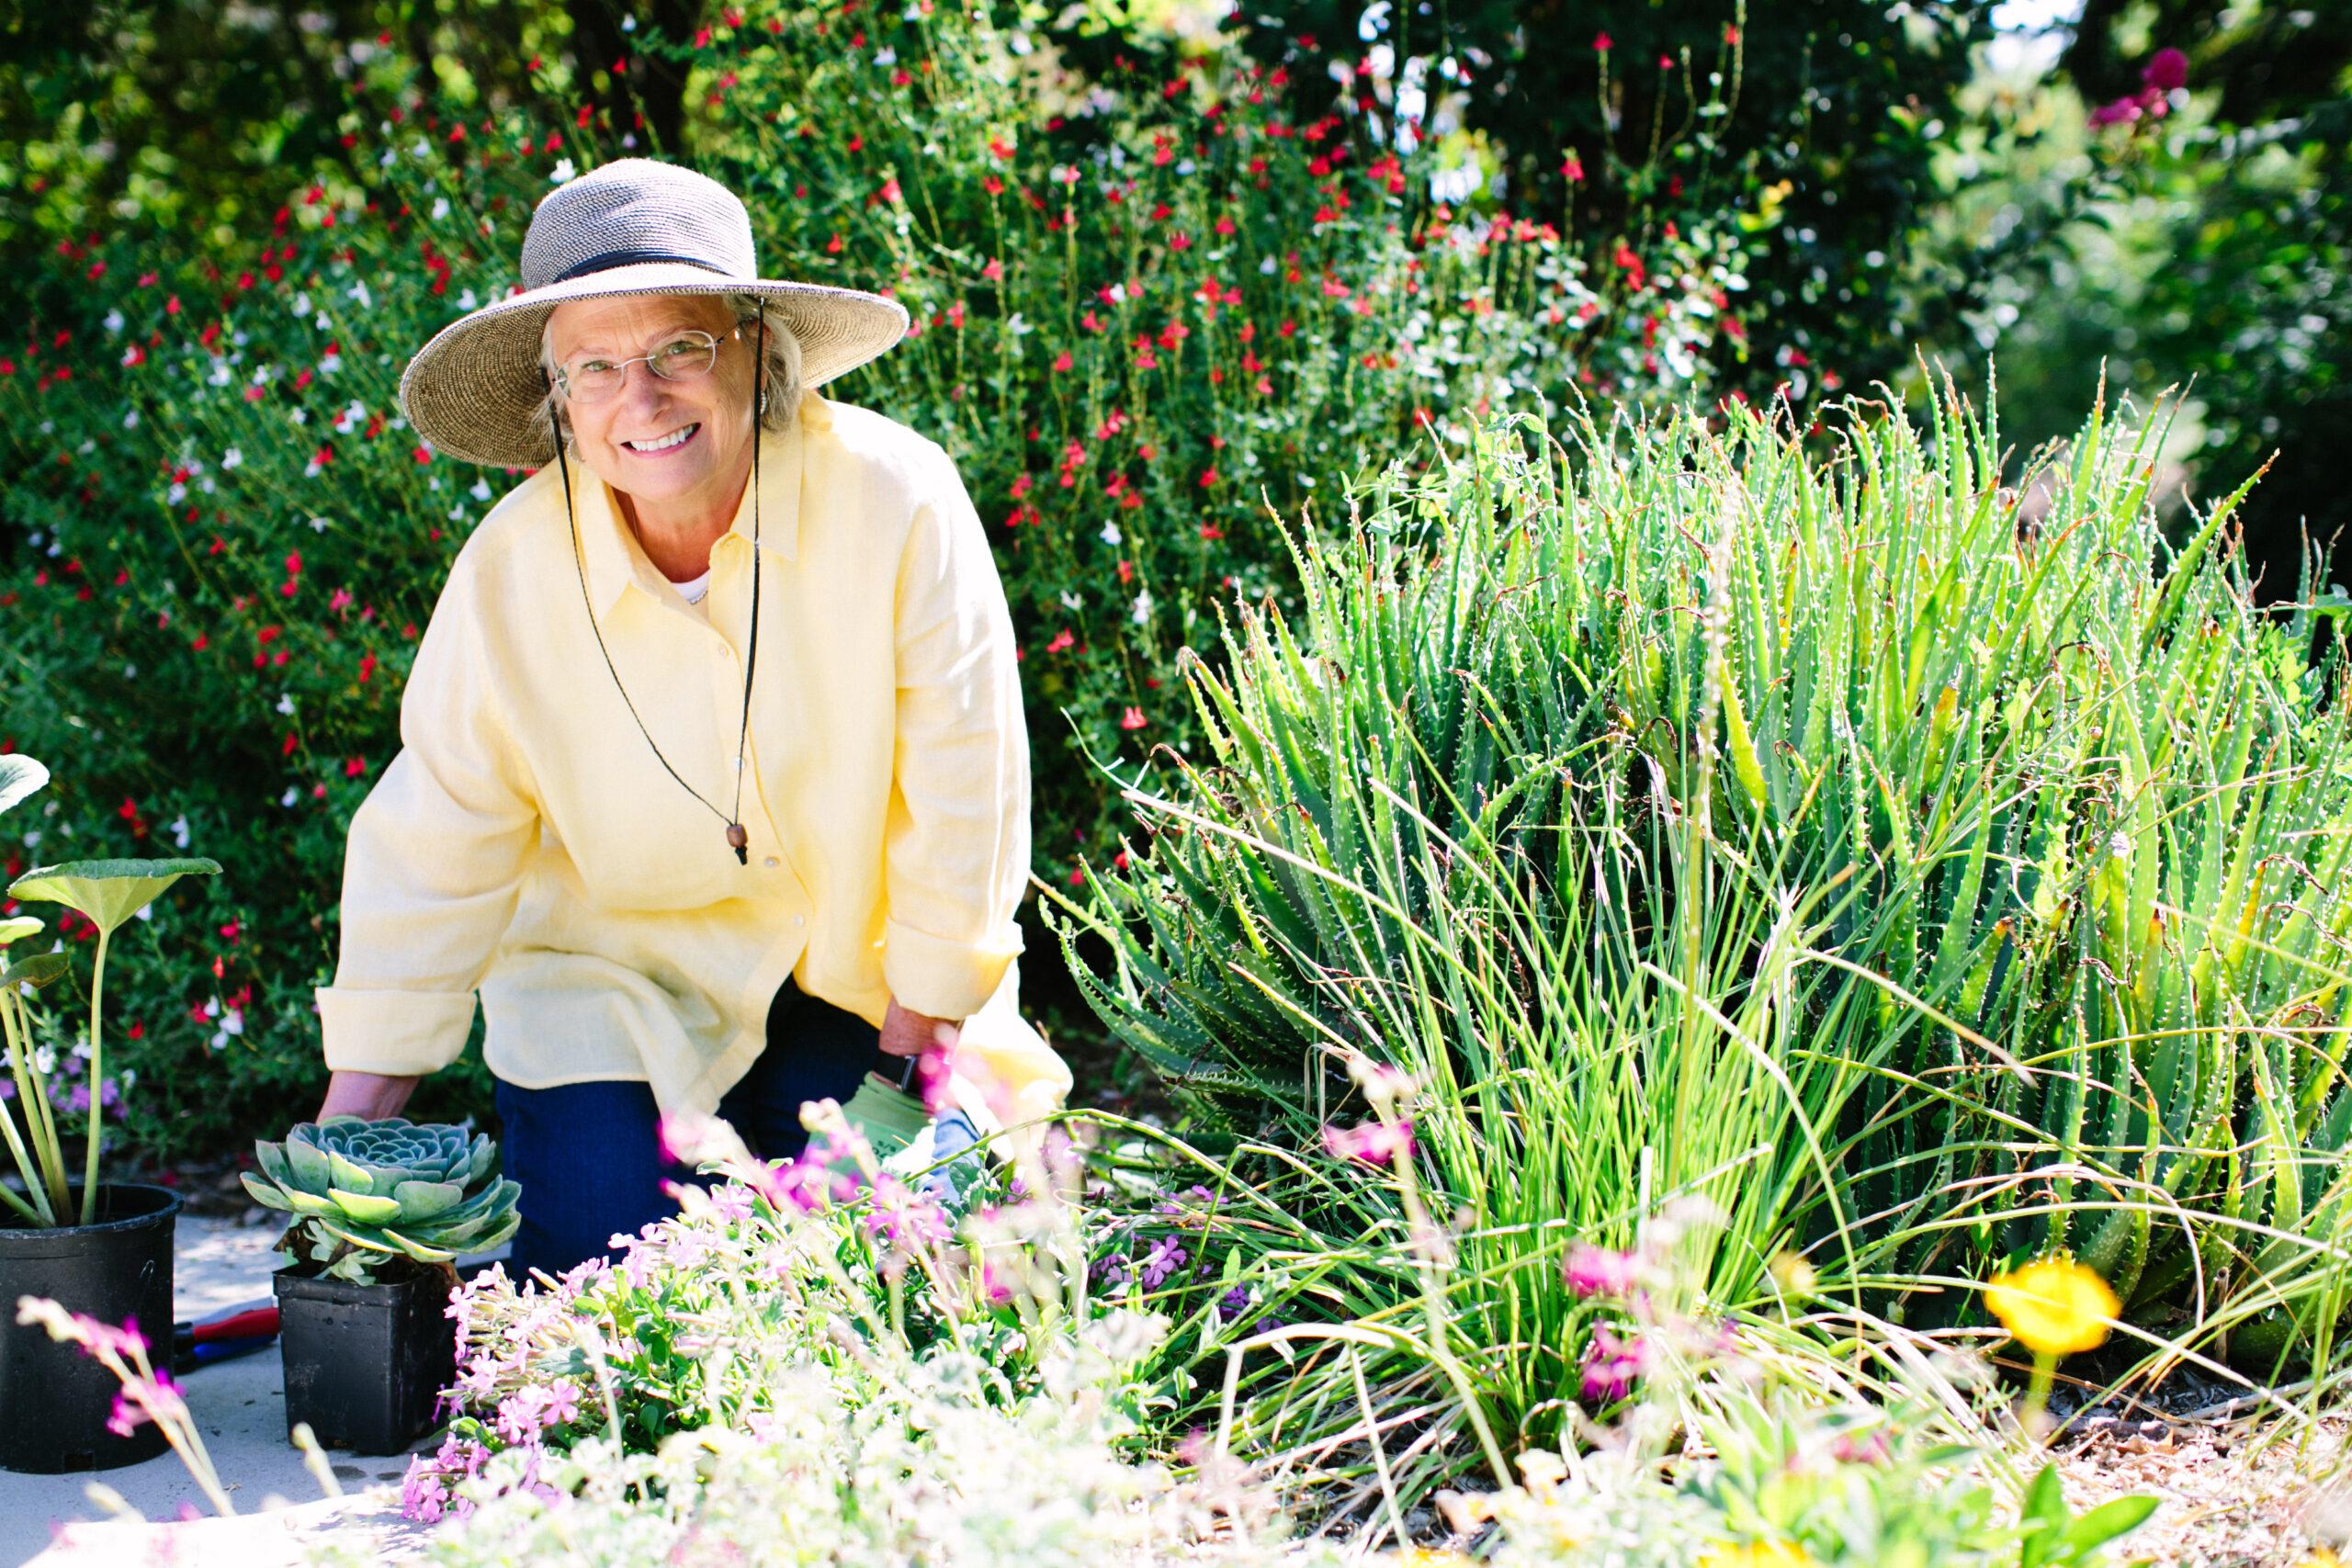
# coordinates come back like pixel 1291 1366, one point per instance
pixel 2167 73
pixel 1597 1271
pixel 1371 1142
pixel 1613 1365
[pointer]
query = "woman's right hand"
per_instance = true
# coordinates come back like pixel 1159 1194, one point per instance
pixel 372 1095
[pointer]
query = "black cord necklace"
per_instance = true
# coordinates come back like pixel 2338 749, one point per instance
pixel 737 839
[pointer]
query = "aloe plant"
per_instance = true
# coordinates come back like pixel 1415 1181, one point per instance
pixel 365 1193
pixel 107 892
pixel 1798 823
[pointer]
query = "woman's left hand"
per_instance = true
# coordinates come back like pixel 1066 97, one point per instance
pixel 906 1033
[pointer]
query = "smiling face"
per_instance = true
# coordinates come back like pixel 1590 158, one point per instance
pixel 629 438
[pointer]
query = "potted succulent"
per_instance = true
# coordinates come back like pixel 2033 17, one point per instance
pixel 101 1249
pixel 381 1211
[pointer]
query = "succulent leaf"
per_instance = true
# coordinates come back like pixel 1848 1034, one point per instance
pixel 342 1173
pixel 422 1201
pixel 367 1209
pixel 308 1163
pixel 271 1157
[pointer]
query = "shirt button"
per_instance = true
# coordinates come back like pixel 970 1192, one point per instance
pixel 800 919
pixel 769 863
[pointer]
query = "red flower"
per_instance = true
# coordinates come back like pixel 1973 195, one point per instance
pixel 1602 43
pixel 1132 719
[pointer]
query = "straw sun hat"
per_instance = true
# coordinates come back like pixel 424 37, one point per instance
pixel 633 226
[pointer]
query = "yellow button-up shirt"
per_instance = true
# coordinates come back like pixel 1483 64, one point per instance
pixel 526 844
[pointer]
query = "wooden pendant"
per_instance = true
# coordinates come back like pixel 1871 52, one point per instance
pixel 739 841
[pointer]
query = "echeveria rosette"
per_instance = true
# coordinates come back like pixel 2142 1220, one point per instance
pixel 108 892
pixel 366 1193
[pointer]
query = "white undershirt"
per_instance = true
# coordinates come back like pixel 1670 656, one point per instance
pixel 693 588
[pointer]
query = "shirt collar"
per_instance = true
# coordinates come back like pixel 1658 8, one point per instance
pixel 613 557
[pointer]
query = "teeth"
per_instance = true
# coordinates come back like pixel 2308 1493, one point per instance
pixel 665 442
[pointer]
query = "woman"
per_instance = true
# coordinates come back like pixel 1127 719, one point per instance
pixel 713 781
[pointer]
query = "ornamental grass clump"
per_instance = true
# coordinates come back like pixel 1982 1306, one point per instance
pixel 1928 871
pixel 372 1201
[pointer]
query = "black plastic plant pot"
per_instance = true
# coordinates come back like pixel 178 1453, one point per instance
pixel 54 1400
pixel 365 1364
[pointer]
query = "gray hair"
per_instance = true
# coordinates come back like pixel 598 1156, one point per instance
pixel 781 381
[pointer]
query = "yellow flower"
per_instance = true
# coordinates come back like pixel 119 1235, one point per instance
pixel 2055 1307
pixel 2320 1557
pixel 1423 1557
pixel 1756 1554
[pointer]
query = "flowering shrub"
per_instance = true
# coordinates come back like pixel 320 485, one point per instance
pixel 1145 311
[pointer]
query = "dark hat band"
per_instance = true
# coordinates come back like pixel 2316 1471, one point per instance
pixel 629 258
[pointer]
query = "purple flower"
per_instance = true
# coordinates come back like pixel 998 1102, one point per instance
pixel 1373 1143
pixel 1597 1271
pixel 1231 1304
pixel 1166 1257
pixel 1612 1364
pixel 2167 73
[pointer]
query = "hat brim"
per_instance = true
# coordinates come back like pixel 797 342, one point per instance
pixel 475 390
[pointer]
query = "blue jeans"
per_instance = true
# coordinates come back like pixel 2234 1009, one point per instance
pixel 589 1155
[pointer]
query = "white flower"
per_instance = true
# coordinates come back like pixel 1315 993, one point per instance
pixel 1071 601
pixel 1267 267
pixel 1110 535
pixel 231 457
pixel 628 24
pixel 310 469
pixel 285 702
pixel 1143 607
pixel 332 363
pixel 303 303
pixel 179 832
pixel 301 417
pixel 130 420
pixel 440 207
pixel 144 911
pixel 1118 294
pixel 886 57
pixel 318 524
pixel 562 171
pixel 467 301
pixel 423 149
pixel 220 377
pixel 481 491
pixel 114 320
pixel 289 797
pixel 359 291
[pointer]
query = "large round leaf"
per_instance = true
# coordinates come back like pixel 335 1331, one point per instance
pixel 19 776
pixel 108 891
pixel 17 929
pixel 420 1251
pixel 268 1194
pixel 351 1178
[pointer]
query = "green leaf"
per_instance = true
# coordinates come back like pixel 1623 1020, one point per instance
pixel 350 1178
pixel 38 970
pixel 307 1162
pixel 271 1157
pixel 108 891
pixel 366 1208
pixel 19 776
pixel 268 1194
pixel 17 929
pixel 422 1200
pixel 2120 1517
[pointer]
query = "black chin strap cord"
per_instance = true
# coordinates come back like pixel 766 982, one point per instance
pixel 737 839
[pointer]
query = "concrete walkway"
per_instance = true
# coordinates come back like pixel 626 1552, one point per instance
pixel 241 1409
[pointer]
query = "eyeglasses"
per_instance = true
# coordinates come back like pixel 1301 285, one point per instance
pixel 688 356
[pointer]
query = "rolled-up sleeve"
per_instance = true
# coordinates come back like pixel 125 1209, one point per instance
pixel 434 860
pixel 957 847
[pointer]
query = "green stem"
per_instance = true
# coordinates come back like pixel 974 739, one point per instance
pixel 98 1066
pixel 32 1090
